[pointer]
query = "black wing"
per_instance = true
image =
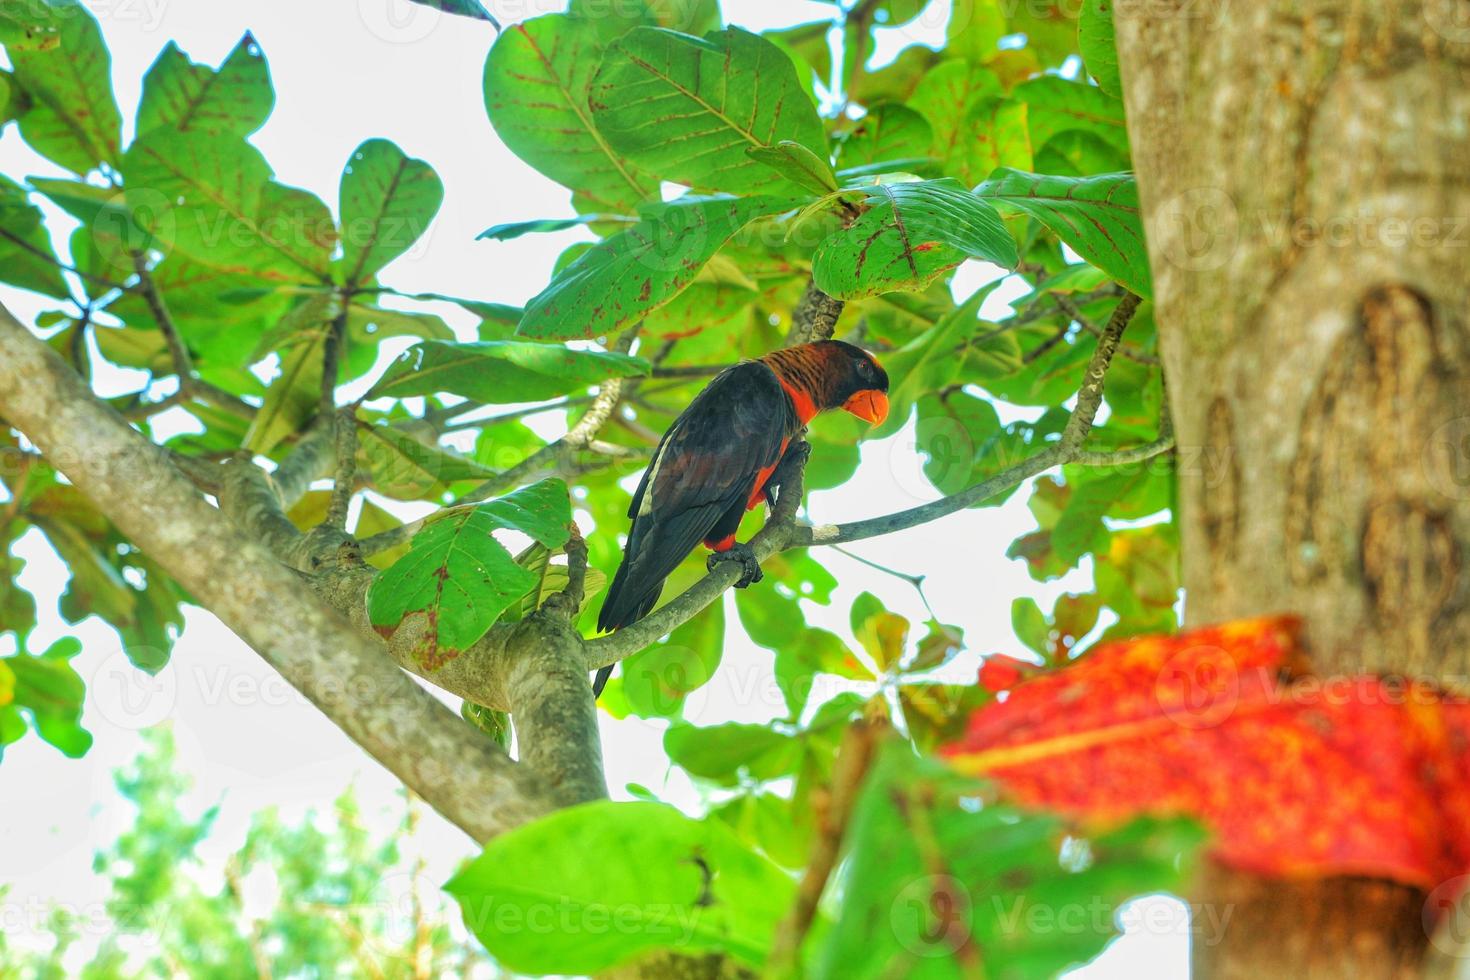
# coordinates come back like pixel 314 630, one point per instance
pixel 706 464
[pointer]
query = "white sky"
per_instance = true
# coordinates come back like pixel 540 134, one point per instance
pixel 344 72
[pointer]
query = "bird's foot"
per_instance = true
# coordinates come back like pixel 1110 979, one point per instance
pixel 738 552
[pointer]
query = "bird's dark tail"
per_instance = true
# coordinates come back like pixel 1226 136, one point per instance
pixel 625 605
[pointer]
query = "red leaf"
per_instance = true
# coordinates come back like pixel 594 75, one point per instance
pixel 1293 773
pixel 999 672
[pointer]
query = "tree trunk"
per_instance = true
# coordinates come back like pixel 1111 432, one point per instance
pixel 1303 174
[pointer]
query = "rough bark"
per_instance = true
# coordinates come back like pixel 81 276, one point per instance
pixel 1302 172
pixel 460 773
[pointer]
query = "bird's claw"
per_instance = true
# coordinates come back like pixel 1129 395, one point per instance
pixel 738 552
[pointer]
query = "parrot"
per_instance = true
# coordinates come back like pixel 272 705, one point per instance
pixel 717 459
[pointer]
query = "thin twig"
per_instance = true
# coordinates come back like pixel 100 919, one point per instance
pixel 854 757
pixel 42 253
pixel 917 581
pixel 189 384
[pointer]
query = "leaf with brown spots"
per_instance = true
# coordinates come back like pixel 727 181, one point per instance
pixel 911 234
pixel 1097 216
pixel 459 578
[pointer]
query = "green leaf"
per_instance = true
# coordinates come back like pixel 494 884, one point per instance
pixel 890 131
pixel 536 85
pixel 212 198
pixel 884 635
pixel 73 119
pixel 662 879
pixel 542 511
pixel 27 259
pixel 625 277
pixel 515 229
pixel 798 164
pixel 1029 624
pixel 656 681
pixel 1099 50
pixel 723 753
pixel 976 27
pixel 233 101
pixel 690 16
pixel 1097 216
pixel 952 433
pixel 1074 153
pixel 688 110
pixel 387 201
pixel 52 693
pixel 295 394
pixel 456 577
pixel 1055 105
pixel 462 8
pixel 943 881
pixel 500 371
pixel 946 95
pixel 911 234
pixel 494 723
pixel 405 468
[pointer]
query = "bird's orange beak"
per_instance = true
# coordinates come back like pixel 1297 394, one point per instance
pixel 870 405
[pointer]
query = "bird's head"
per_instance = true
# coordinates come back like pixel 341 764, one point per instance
pixel 832 374
pixel 862 389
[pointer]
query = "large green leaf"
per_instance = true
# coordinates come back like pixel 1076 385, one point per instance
pixel 406 468
pixel 911 234
pixel 73 119
pixel 387 202
pixel 498 371
pixel 890 131
pixel 938 887
pixel 655 681
pixel 536 84
pixel 212 199
pixel 1055 105
pixel 234 101
pixel 947 95
pixel 1097 216
pixel 620 879
pixel 623 278
pixel 459 578
pixel 688 110
pixel 725 753
pixel 26 257
pixel 1096 43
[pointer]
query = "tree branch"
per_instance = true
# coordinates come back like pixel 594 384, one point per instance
pixel 815 316
pixel 133 482
pixel 343 483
